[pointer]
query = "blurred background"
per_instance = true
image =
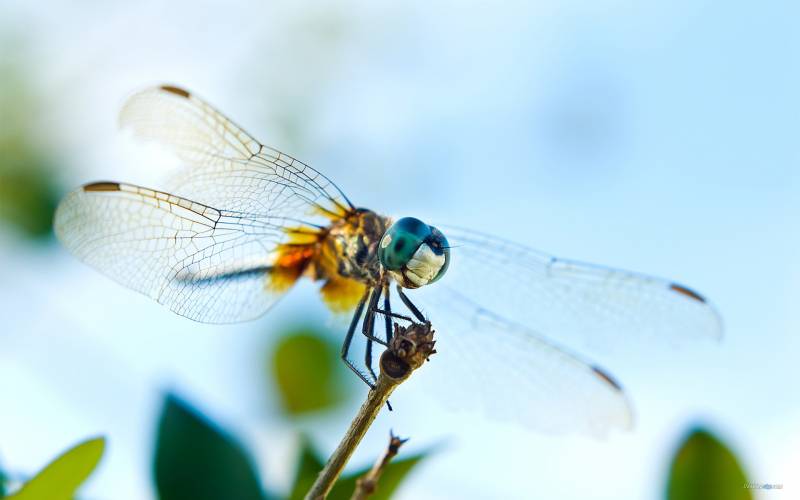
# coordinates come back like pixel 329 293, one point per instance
pixel 660 138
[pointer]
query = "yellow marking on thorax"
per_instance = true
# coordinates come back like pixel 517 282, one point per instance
pixel 340 294
pixel 335 214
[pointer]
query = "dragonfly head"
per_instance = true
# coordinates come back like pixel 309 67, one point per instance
pixel 414 253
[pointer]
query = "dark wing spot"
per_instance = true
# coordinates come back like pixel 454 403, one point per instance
pixel 687 292
pixel 102 186
pixel 175 90
pixel 607 378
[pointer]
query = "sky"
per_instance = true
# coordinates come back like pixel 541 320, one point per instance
pixel 659 138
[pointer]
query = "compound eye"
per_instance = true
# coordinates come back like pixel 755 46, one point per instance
pixel 401 241
pixel 439 244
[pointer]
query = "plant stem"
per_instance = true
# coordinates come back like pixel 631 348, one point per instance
pixel 409 349
pixel 358 427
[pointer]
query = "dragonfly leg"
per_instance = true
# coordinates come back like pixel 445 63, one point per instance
pixel 387 319
pixel 368 327
pixel 348 339
pixel 410 305
pixel 368 360
pixel 387 313
pixel 390 314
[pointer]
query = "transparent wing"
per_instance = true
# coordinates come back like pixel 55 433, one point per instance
pixel 223 165
pixel 576 303
pixel 499 308
pixel 515 374
pixel 206 264
pixel 207 251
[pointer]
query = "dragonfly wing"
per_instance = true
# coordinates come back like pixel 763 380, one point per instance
pixel 224 166
pixel 208 250
pixel 204 263
pixel 515 374
pixel 572 301
pixel 499 307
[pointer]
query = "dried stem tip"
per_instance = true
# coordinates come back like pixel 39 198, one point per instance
pixel 368 483
pixel 409 348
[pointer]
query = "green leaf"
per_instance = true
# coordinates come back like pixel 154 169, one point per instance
pixel 308 467
pixel 28 194
pixel 393 475
pixel 29 184
pixel 305 367
pixel 64 475
pixel 310 464
pixel 196 460
pixel 705 469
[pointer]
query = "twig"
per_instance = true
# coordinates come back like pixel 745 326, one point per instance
pixel 409 349
pixel 368 483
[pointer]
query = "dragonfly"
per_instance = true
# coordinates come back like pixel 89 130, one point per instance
pixel 239 223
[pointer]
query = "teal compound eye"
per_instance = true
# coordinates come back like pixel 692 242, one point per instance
pixel 415 253
pixel 440 246
pixel 401 241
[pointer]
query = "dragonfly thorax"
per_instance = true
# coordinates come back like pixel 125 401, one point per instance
pixel 351 245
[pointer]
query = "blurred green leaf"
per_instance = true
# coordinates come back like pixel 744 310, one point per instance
pixel 310 464
pixel 2 484
pixel 29 187
pixel 196 460
pixel 705 469
pixel 28 195
pixel 393 475
pixel 64 475
pixel 305 369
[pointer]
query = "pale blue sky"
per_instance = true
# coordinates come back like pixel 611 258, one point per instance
pixel 659 137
